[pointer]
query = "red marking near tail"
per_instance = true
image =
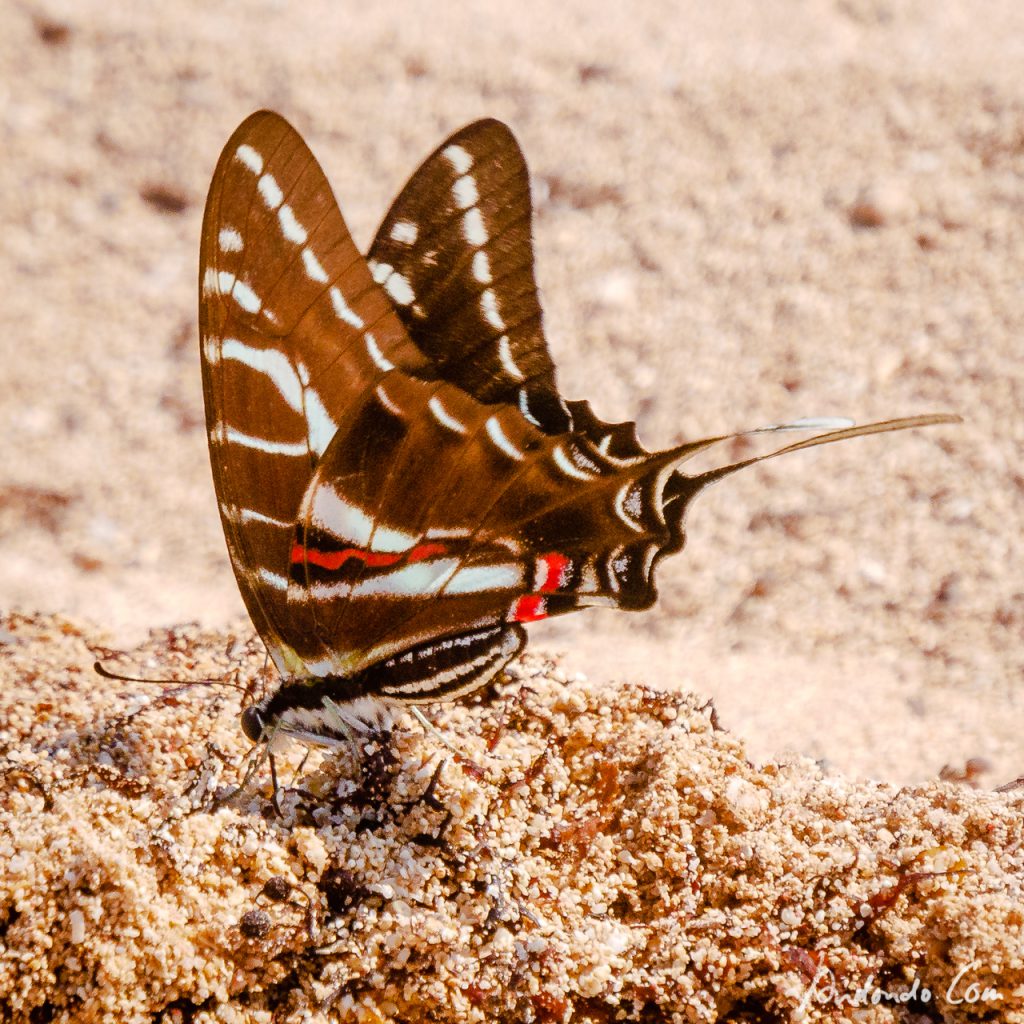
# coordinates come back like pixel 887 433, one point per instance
pixel 552 571
pixel 529 609
pixel 372 559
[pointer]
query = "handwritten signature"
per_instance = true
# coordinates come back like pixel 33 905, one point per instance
pixel 963 989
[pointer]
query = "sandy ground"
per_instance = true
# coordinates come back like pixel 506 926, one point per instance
pixel 743 217
pixel 594 854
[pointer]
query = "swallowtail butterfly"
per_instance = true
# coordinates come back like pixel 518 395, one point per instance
pixel 400 483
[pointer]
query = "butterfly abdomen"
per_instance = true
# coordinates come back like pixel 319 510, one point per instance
pixel 329 709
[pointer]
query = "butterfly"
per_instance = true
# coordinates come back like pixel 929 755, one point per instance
pixel 401 485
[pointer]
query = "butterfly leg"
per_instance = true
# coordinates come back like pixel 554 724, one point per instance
pixel 428 797
pixel 339 724
pixel 273 778
pixel 431 729
pixel 438 841
pixel 255 762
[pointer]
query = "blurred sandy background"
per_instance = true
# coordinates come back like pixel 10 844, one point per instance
pixel 769 211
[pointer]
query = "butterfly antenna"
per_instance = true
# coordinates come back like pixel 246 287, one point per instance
pixel 100 669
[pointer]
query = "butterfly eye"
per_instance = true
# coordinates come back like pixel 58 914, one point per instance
pixel 252 724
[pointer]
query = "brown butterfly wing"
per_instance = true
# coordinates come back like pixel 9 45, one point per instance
pixel 483 521
pixel 479 519
pixel 455 254
pixel 293 330
pixel 400 504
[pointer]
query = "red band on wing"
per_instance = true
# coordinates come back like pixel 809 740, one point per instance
pixel 422 551
pixel 372 559
pixel 529 609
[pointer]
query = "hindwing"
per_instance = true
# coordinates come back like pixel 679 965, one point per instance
pixel 436 511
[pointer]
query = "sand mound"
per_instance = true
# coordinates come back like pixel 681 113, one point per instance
pixel 594 854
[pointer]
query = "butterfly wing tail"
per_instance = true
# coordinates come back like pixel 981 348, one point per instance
pixel 620 536
pixel 681 489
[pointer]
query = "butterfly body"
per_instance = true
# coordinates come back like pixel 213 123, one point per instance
pixel 400 483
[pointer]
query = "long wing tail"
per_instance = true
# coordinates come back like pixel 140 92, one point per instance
pixel 681 489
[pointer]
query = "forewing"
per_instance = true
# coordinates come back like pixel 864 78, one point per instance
pixel 293 332
pixel 455 254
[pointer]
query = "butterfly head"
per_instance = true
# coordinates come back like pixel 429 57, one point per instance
pixel 252 723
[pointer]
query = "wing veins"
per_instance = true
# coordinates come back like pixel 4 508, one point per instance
pixel 457 271
pixel 291 263
pixel 444 223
